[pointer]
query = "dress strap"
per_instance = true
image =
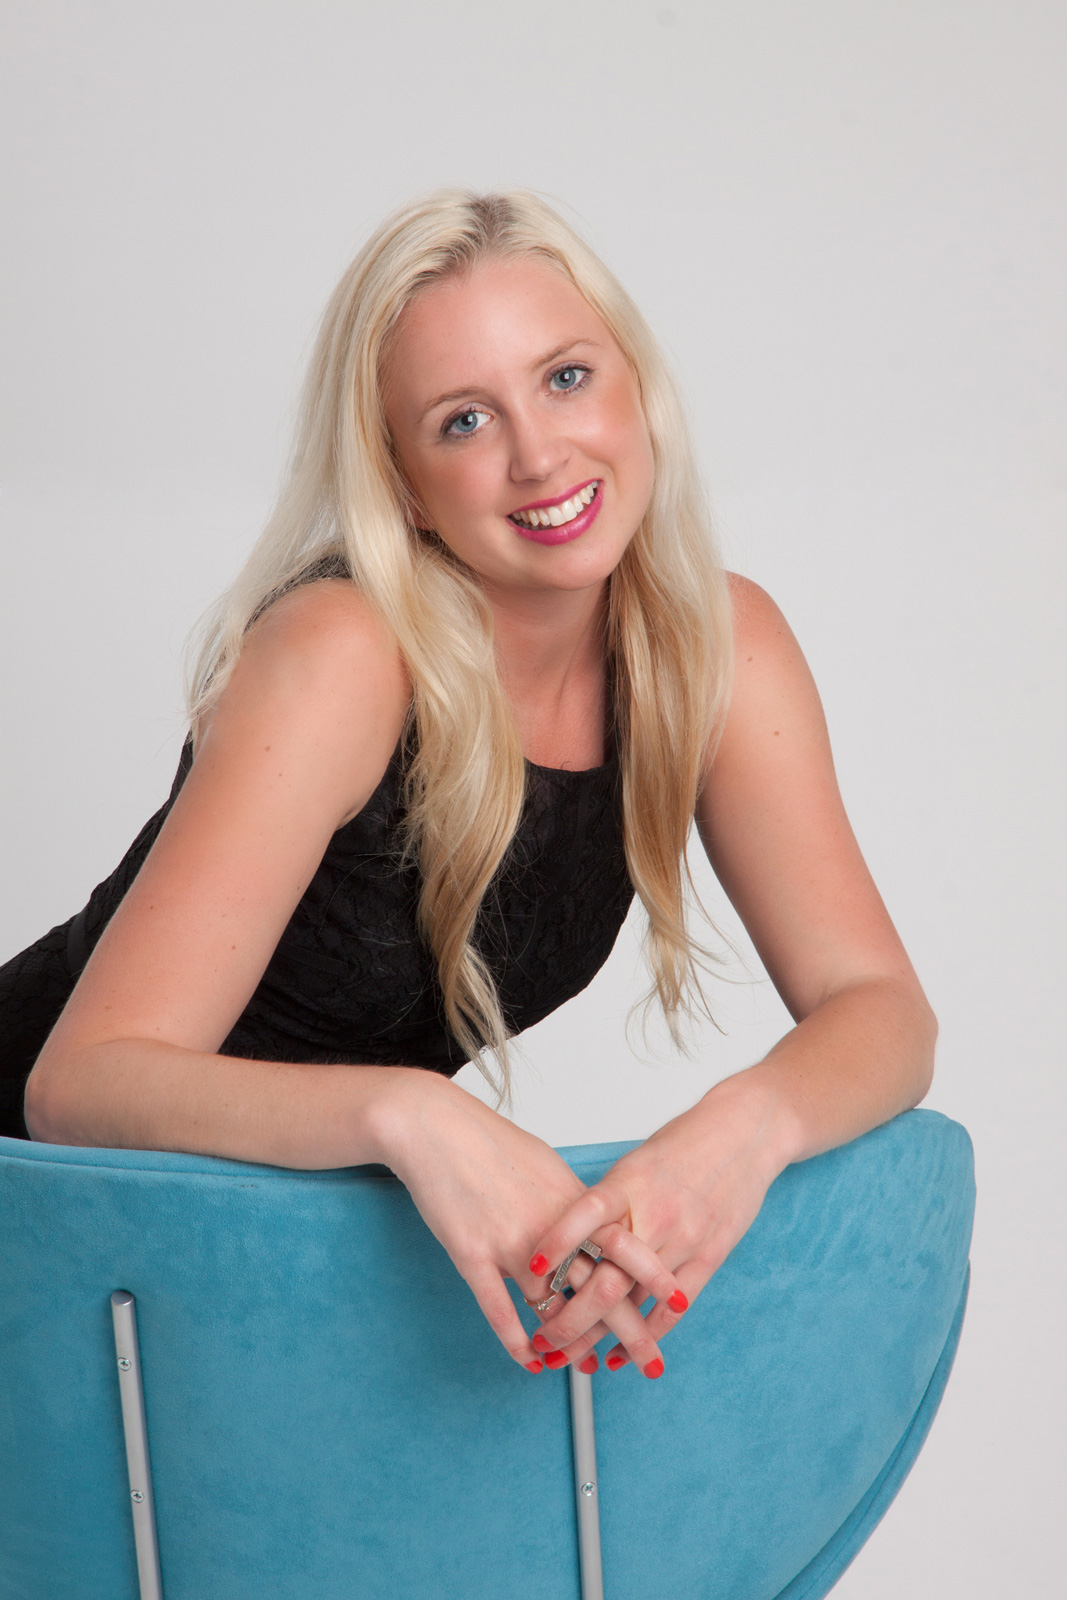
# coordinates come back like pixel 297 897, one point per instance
pixel 77 944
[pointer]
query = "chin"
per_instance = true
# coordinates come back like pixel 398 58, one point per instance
pixel 580 569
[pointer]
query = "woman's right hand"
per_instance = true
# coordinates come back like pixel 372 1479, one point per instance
pixel 296 744
pixel 488 1190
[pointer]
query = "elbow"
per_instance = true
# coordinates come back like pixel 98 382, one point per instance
pixel 47 1109
pixel 926 1028
pixel 37 1109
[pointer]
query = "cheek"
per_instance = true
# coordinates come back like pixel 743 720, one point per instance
pixel 640 445
pixel 620 430
pixel 459 485
pixel 632 447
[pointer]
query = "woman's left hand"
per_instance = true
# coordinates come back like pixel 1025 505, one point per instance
pixel 690 1192
pixel 777 837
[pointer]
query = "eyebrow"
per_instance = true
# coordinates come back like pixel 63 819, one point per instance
pixel 542 361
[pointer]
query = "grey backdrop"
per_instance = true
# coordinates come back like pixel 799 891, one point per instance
pixel 845 222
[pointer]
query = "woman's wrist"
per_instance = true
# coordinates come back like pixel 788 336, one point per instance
pixel 861 1057
pixel 398 1117
pixel 754 1102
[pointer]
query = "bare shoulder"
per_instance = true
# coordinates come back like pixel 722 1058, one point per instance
pixel 321 686
pixel 326 634
pixel 758 622
pixel 772 682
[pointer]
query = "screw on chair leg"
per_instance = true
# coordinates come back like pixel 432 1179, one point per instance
pixel 583 1444
pixel 131 1394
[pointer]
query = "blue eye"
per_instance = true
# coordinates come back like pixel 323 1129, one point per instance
pixel 569 378
pixel 466 423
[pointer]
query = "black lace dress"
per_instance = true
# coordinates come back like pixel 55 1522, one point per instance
pixel 351 980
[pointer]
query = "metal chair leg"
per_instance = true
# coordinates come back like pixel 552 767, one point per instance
pixel 587 1491
pixel 131 1393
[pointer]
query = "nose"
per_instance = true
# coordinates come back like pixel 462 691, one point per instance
pixel 538 448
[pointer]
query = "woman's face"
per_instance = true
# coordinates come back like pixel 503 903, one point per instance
pixel 519 427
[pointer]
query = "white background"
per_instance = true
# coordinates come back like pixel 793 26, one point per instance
pixel 846 223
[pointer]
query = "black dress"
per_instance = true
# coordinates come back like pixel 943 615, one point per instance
pixel 351 979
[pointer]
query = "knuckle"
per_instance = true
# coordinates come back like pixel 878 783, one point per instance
pixel 611 1272
pixel 608 1289
pixel 687 1236
pixel 500 1322
pixel 711 1259
pixel 644 1350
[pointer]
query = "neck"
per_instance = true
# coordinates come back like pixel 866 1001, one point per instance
pixel 543 639
pixel 550 653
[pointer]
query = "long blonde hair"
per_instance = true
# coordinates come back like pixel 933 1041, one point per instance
pixel 342 509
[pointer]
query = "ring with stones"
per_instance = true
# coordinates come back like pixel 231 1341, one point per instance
pixel 540 1305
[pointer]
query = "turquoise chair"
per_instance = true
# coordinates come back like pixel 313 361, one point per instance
pixel 330 1418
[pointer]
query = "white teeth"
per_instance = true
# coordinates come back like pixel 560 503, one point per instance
pixel 557 516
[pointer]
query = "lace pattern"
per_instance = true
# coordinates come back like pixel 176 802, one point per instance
pixel 351 979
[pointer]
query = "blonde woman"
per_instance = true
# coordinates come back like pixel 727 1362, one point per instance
pixel 477 679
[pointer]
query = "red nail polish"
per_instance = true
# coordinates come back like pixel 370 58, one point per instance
pixel 678 1302
pixel 615 1361
pixel 534 1366
pixel 555 1358
pixel 654 1369
pixel 538 1265
pixel 540 1343
pixel 590 1364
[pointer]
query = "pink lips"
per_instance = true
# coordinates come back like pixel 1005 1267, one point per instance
pixel 569 530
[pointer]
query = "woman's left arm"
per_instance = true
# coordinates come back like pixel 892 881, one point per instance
pixel 776 833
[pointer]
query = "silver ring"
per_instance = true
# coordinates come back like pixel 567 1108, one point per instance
pixel 586 1248
pixel 540 1305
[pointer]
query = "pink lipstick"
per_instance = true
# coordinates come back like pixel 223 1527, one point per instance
pixel 563 532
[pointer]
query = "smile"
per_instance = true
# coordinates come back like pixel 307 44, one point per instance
pixel 553 522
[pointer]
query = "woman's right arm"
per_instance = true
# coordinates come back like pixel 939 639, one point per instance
pixel 296 745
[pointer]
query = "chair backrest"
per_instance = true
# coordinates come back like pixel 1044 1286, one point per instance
pixel 330 1416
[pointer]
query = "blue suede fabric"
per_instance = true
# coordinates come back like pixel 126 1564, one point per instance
pixel 331 1419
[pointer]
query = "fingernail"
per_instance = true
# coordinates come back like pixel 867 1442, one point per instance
pixel 538 1265
pixel 654 1369
pixel 678 1302
pixel 615 1361
pixel 590 1364
pixel 534 1366
pixel 555 1358
pixel 540 1343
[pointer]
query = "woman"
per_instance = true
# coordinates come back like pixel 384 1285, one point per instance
pixel 468 694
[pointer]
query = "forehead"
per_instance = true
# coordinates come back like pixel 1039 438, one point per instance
pixel 479 326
